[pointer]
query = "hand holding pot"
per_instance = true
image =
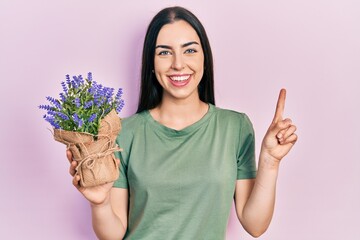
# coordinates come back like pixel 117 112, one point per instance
pixel 95 195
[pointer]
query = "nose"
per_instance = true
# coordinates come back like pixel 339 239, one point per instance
pixel 178 62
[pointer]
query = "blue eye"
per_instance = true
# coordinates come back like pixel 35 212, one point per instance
pixel 190 51
pixel 164 53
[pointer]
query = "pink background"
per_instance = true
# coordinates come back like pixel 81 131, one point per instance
pixel 310 47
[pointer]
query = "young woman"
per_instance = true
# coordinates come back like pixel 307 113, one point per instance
pixel 185 160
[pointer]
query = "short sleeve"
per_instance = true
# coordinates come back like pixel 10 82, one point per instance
pixel 246 165
pixel 124 142
pixel 122 181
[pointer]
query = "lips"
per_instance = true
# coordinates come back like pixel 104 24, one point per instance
pixel 180 80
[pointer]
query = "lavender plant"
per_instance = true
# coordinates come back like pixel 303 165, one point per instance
pixel 82 104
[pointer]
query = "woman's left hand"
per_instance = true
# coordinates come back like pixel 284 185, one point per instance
pixel 280 137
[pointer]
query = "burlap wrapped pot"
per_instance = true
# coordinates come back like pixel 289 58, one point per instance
pixel 96 159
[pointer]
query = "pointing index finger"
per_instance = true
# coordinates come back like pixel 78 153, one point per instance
pixel 280 106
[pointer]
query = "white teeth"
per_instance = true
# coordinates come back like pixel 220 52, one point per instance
pixel 180 78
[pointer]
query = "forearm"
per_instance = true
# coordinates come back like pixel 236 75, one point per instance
pixel 258 210
pixel 106 224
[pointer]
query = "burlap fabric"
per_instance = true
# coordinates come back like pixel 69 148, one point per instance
pixel 96 159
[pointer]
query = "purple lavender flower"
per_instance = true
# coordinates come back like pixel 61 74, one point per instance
pixel 65 89
pixel 89 76
pixel 77 120
pixel 76 82
pixel 104 91
pixel 92 117
pixel 120 106
pixel 92 90
pixel 45 107
pixel 80 80
pixel 88 104
pixel 109 93
pixel 51 112
pixel 73 84
pixel 51 99
pixel 62 97
pixel 100 101
pixel 68 81
pixel 97 98
pixel 99 88
pixel 62 116
pixel 54 101
pixel 118 95
pixel 77 102
pixel 52 121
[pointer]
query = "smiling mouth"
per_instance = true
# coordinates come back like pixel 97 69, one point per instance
pixel 180 80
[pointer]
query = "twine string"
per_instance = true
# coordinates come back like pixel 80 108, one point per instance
pixel 90 160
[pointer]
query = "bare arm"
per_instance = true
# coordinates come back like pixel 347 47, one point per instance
pixel 109 206
pixel 109 219
pixel 255 199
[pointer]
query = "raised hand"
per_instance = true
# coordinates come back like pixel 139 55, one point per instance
pixel 95 195
pixel 280 137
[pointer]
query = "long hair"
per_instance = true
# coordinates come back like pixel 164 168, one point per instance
pixel 150 89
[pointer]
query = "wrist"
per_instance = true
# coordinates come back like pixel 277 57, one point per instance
pixel 266 161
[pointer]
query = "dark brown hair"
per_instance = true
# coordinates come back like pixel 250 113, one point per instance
pixel 150 90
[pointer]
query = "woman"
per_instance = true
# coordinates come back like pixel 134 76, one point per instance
pixel 184 159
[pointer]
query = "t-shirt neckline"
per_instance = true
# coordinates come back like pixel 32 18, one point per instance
pixel 175 133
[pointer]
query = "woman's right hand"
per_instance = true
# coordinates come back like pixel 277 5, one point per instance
pixel 97 195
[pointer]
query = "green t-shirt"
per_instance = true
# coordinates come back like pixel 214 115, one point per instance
pixel 181 183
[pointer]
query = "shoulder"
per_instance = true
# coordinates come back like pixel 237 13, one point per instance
pixel 236 122
pixel 238 125
pixel 129 125
pixel 231 116
pixel 132 121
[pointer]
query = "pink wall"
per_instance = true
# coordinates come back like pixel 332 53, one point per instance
pixel 311 47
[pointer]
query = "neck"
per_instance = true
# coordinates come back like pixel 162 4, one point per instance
pixel 179 113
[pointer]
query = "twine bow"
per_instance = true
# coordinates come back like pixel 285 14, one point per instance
pixel 89 160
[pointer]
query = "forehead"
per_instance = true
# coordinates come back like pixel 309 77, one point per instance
pixel 178 32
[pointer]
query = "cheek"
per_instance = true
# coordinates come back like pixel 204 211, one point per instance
pixel 161 65
pixel 200 67
pixel 158 75
pixel 156 64
pixel 160 78
pixel 197 64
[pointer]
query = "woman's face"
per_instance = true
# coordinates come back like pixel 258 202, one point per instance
pixel 179 60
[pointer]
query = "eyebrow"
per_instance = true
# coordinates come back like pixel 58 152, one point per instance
pixel 183 45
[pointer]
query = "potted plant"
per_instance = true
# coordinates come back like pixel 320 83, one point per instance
pixel 85 119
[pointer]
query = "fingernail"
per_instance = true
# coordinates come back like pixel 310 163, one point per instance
pixel 279 135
